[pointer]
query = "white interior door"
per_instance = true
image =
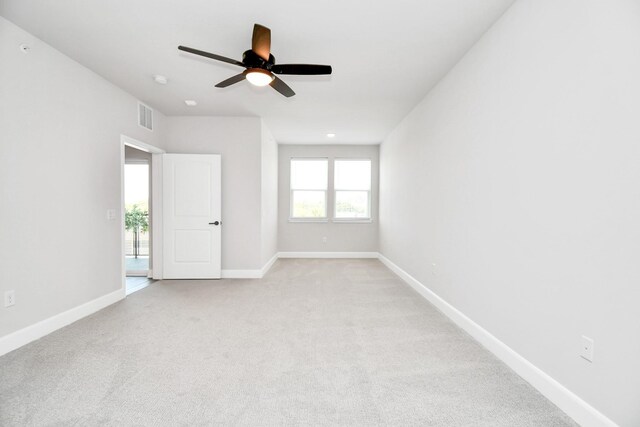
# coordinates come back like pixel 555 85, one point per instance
pixel 191 216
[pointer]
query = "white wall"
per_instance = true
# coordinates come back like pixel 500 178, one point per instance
pixel 269 195
pixel 239 141
pixel 341 237
pixel 60 127
pixel 519 177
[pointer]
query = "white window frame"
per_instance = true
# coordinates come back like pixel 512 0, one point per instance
pixel 335 190
pixel 325 218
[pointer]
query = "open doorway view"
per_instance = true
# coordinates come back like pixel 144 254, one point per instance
pixel 137 203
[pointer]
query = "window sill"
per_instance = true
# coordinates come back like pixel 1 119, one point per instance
pixel 334 220
pixel 352 221
pixel 309 220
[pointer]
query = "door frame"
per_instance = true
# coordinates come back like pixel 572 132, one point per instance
pixel 155 258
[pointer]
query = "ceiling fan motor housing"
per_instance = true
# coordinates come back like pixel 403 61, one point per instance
pixel 252 60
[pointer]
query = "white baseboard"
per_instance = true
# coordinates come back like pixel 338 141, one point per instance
pixel 328 254
pixel 241 274
pixel 258 274
pixel 38 330
pixel 269 264
pixel 583 413
pixel 249 274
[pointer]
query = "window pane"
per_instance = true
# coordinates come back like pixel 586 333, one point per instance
pixel 308 204
pixel 309 174
pixel 353 174
pixel 352 204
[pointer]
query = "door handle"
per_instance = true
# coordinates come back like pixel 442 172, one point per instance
pixel 214 223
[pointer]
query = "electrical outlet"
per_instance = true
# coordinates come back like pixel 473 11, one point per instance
pixel 433 268
pixel 111 214
pixel 9 298
pixel 324 240
pixel 587 349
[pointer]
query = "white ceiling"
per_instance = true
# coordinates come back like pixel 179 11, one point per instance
pixel 386 55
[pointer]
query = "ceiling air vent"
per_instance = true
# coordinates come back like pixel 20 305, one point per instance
pixel 145 116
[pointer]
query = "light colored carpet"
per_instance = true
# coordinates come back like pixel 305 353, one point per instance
pixel 316 342
pixel 134 284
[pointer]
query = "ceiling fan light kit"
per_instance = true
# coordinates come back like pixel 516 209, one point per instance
pixel 261 65
pixel 258 76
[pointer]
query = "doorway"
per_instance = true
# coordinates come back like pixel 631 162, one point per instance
pixel 139 233
pixel 137 217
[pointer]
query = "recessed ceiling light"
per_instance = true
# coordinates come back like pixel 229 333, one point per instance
pixel 331 135
pixel 160 79
pixel 191 102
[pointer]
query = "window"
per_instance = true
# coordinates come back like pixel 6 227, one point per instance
pixel 309 188
pixel 352 184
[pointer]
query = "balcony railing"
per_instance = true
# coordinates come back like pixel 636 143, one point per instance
pixel 143 248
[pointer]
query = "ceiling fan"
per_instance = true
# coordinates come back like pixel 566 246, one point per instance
pixel 260 64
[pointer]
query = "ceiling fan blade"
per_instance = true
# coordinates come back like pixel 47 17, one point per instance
pixel 261 41
pixel 211 55
pixel 231 80
pixel 282 87
pixel 301 69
